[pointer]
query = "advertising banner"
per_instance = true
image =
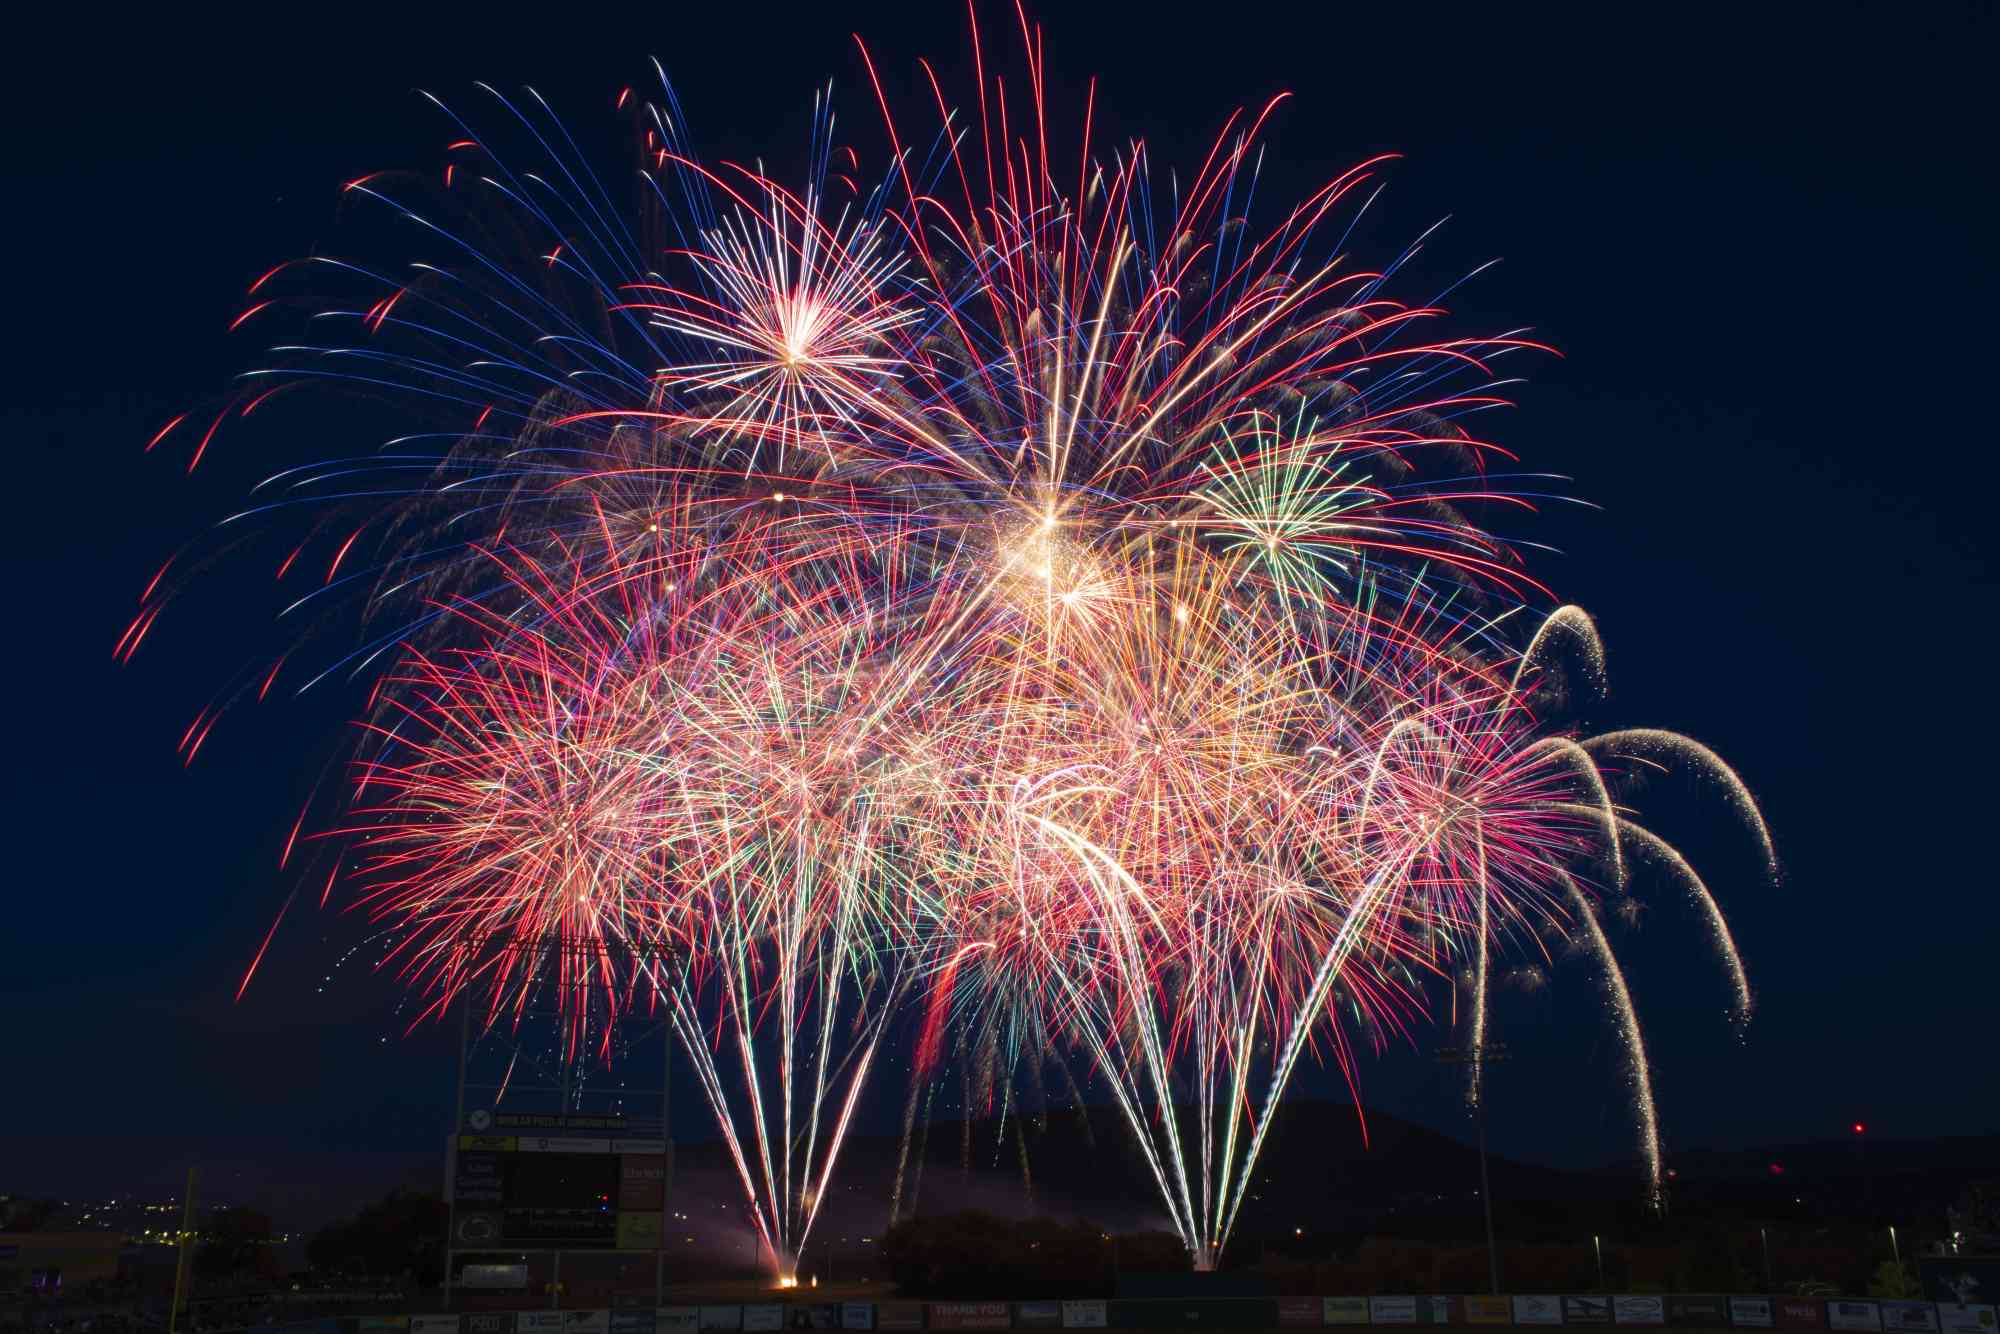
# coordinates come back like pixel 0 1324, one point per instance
pixel 1538 1310
pixel 1440 1309
pixel 488 1143
pixel 490 1322
pixel 655 1147
pixel 1586 1310
pixel 538 1322
pixel 1343 1310
pixel 1752 1312
pixel 549 1226
pixel 1485 1310
pixel 562 1144
pixel 899 1315
pixel 721 1317
pixel 642 1182
pixel 1392 1310
pixel 1083 1315
pixel 554 1121
pixel 763 1315
pixel 1298 1311
pixel 1707 1312
pixel 382 1324
pixel 1841 1314
pixel 1631 1309
pixel 1951 1279
pixel 1037 1315
pixel 1917 1317
pixel 639 1231
pixel 677 1319
pixel 475 1227
pixel 634 1320
pixel 971 1315
pixel 1963 1318
pixel 433 1324
pixel 857 1315
pixel 586 1322
pixel 1800 1313
pixel 476 1179
pixel 488 1277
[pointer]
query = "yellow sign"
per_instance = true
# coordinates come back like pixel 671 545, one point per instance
pixel 489 1143
pixel 638 1231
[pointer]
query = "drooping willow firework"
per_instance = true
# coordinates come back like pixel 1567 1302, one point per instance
pixel 1017 592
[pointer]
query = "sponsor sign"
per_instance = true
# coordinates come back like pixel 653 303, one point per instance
pixel 1951 1279
pixel 433 1324
pixel 1920 1317
pixel 899 1315
pixel 822 1315
pixel 539 1322
pixel 1392 1310
pixel 476 1178
pixel 487 1143
pixel 1630 1309
pixel 1800 1313
pixel 1298 1311
pixel 721 1317
pixel 1037 1315
pixel 1538 1310
pixel 475 1228
pixel 971 1315
pixel 1194 1313
pixel 857 1315
pixel 593 1226
pixel 1083 1315
pixel 638 1147
pixel 554 1121
pixel 1755 1312
pixel 382 1324
pixel 634 1320
pixel 642 1182
pixel 763 1315
pixel 1440 1309
pixel 1586 1310
pixel 639 1232
pixel 1841 1314
pixel 1708 1312
pixel 677 1319
pixel 490 1322
pixel 1343 1310
pixel 586 1322
pixel 1964 1318
pixel 1486 1310
pixel 563 1144
pixel 492 1276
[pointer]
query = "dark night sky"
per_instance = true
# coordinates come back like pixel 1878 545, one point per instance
pixel 1763 244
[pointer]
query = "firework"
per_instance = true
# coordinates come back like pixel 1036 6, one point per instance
pixel 1007 590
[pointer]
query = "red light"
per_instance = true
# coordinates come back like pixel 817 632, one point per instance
pixel 1860 1129
pixel 1777 1169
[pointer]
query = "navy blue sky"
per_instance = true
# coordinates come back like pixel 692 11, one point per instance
pixel 1763 244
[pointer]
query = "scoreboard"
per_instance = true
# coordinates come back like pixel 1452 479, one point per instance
pixel 557 1192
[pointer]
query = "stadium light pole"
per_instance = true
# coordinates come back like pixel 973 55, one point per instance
pixel 181 1253
pixel 1478 1057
